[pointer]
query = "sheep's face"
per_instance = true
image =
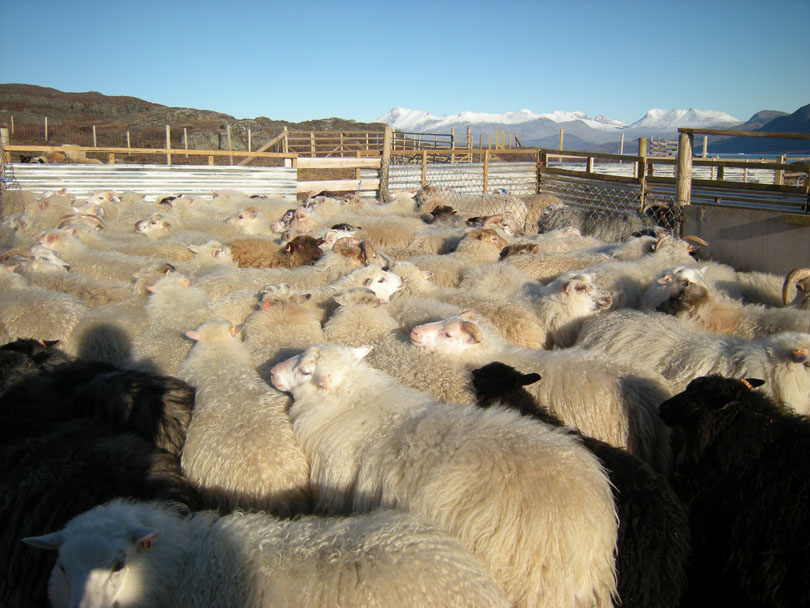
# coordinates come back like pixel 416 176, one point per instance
pixel 452 336
pixel 383 283
pixel 96 568
pixel 54 239
pixel 318 368
pixel 671 284
pixel 497 379
pixel 153 225
pixel 791 369
pixel 583 294
pixel 283 223
pixel 46 259
pixel 103 197
pixel 703 396
pixel 248 221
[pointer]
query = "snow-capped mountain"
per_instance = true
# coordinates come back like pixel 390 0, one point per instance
pixel 533 128
pixel 672 119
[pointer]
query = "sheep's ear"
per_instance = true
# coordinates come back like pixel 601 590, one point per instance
pixel 324 381
pixel 665 279
pixel 527 379
pixel 235 330
pixel 144 537
pixel 798 356
pixel 752 383
pixel 361 351
pixel 193 335
pixel 50 542
pixel 472 333
pixel 427 274
pixel 187 283
pixel 469 315
pixel 151 289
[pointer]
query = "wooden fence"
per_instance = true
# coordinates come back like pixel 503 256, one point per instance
pixel 374 163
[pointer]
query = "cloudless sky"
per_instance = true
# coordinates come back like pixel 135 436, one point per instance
pixel 303 59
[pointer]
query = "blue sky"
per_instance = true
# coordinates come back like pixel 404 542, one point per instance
pixel 305 59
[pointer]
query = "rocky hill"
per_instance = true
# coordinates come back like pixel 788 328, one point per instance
pixel 74 114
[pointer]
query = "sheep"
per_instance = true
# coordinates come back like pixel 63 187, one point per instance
pixel 285 324
pixel 565 303
pixel 360 319
pixel 742 474
pixel 611 226
pixel 689 297
pixel 251 221
pixel 481 245
pixel 652 548
pixel 681 351
pixel 32 312
pixel 131 553
pixel 524 496
pixel 94 263
pixel 27 356
pixel 240 449
pixel 612 400
pixel 51 477
pixel 256 252
pixel 628 280
pixel 173 306
pixel 75 434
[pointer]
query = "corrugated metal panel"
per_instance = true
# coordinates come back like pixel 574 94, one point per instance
pixel 152 180
pixel 467 178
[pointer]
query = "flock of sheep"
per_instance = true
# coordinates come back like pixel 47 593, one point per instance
pixel 247 401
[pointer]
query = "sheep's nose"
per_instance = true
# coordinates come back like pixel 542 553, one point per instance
pixel 416 335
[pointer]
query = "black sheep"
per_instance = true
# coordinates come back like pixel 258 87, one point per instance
pixel 47 479
pixel 45 388
pixel 653 536
pixel 742 472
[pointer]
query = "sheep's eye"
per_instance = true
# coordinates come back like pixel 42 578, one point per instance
pixel 118 566
pixel 580 288
pixel 446 334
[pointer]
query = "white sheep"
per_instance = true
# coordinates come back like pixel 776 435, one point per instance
pixel 126 553
pixel 681 351
pixel 689 297
pixel 608 399
pixel 240 448
pixel 284 324
pixel 95 263
pixel 477 246
pixel 526 497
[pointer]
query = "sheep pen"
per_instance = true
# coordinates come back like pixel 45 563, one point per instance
pixel 121 281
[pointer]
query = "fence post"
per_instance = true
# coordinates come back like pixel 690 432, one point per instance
pixel 452 145
pixel 128 142
pixel 385 162
pixel 684 177
pixel 424 168
pixel 168 144
pixel 562 133
pixel 486 173
pixel 4 141
pixel 185 140
pixel 95 141
pixel 12 125
pixel 46 129
pixel 779 174
pixel 621 146
pixel 230 147
pixel 641 171
pixel 705 145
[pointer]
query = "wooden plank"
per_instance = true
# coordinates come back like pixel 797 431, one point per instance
pixel 336 163
pixel 338 185
pixel 731 133
pixel 161 151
